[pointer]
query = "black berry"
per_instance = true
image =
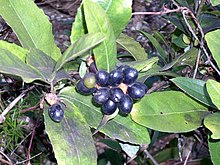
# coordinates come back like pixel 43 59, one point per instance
pixel 109 107
pixel 123 67
pixel 56 112
pixel 130 75
pixel 101 95
pixel 137 91
pixel 116 94
pixel 102 78
pixel 93 68
pixel 115 77
pixel 126 104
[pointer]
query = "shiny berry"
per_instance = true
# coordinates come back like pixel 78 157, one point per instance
pixel 101 95
pixel 136 91
pixel 130 75
pixel 109 107
pixel 123 67
pixel 89 80
pixel 126 104
pixel 115 77
pixel 93 68
pixel 56 112
pixel 102 78
pixel 116 94
pixel 82 89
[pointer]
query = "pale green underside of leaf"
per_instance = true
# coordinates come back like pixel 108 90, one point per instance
pixel 215 2
pixel 169 111
pixel 98 21
pixel 31 25
pixel 122 128
pixel 195 88
pixel 133 47
pixel 13 65
pixel 213 88
pixel 71 138
pixel 14 49
pixel 212 39
pixel 212 123
pixel 214 149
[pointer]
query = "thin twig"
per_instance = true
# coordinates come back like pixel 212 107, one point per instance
pixel 5 161
pixel 9 160
pixel 13 103
pixel 187 158
pixel 197 64
pixel 151 157
pixel 31 108
pixel 30 158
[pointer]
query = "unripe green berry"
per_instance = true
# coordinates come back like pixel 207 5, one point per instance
pixel 89 80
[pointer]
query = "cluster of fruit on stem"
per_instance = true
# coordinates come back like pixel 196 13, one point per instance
pixel 117 89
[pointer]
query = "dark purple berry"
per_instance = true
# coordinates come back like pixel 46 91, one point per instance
pixel 115 77
pixel 126 104
pixel 109 107
pixel 130 75
pixel 102 78
pixel 123 67
pixel 137 91
pixel 82 89
pixel 116 94
pixel 101 95
pixel 142 85
pixel 56 112
pixel 89 80
pixel 93 68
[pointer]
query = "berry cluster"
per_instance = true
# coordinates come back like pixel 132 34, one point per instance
pixel 117 89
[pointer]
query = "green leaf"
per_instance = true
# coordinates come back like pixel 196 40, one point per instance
pixel 209 22
pixel 215 2
pixel 98 21
pixel 122 128
pixel 162 112
pixel 195 88
pixel 214 149
pixel 42 62
pixel 14 49
pixel 213 44
pixel 117 10
pixel 79 26
pixel 133 47
pixel 31 25
pixel 12 65
pixel 81 46
pixel 71 138
pixel 212 123
pixel 156 45
pixel 213 88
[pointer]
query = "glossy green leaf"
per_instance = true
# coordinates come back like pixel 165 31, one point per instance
pixel 13 65
pixel 31 25
pixel 195 88
pixel 14 49
pixel 98 21
pixel 122 128
pixel 79 26
pixel 71 138
pixel 81 46
pixel 212 122
pixel 42 62
pixel 169 111
pixel 117 10
pixel 214 149
pixel 215 2
pixel 213 44
pixel 213 88
pixel 133 47
pixel 156 44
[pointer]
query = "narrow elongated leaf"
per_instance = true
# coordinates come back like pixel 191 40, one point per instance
pixel 42 62
pixel 117 10
pixel 14 49
pixel 156 45
pixel 83 45
pixel 11 64
pixel 213 88
pixel 98 21
pixel 195 88
pixel 212 123
pixel 121 128
pixel 30 24
pixel 169 111
pixel 214 149
pixel 213 44
pixel 133 47
pixel 71 138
